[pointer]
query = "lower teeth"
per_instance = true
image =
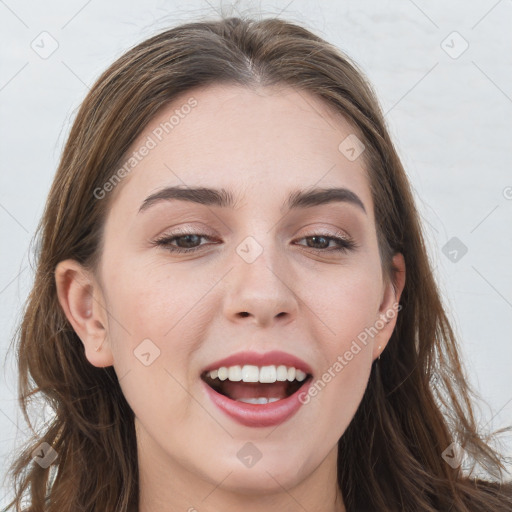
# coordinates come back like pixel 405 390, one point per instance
pixel 259 401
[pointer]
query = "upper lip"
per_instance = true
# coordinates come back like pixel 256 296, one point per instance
pixel 274 357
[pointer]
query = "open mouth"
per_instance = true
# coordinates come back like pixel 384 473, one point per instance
pixel 256 384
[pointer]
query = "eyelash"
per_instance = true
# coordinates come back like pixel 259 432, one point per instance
pixel 345 244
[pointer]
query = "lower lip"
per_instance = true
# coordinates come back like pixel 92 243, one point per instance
pixel 258 415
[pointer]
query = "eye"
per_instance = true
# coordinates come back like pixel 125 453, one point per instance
pixel 188 242
pixel 186 239
pixel 342 243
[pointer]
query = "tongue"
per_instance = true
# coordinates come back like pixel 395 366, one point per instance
pixel 237 390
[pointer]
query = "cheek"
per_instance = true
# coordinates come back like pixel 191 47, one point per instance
pixel 345 303
pixel 151 336
pixel 144 298
pixel 152 299
pixel 348 311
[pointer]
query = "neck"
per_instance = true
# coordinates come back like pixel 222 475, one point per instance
pixel 165 485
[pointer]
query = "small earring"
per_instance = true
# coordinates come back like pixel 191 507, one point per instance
pixel 379 354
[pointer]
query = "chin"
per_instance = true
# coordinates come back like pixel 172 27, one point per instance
pixel 261 480
pixel 268 475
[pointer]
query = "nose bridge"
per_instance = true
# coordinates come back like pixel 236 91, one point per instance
pixel 259 284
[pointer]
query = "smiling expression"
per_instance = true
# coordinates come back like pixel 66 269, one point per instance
pixel 244 233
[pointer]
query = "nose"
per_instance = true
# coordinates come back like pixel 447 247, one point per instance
pixel 261 292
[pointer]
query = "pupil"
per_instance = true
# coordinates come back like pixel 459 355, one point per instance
pixel 316 238
pixel 187 237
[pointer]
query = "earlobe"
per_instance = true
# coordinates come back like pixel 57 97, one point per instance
pixel 389 308
pixel 80 297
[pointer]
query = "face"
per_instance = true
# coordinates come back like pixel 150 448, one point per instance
pixel 258 286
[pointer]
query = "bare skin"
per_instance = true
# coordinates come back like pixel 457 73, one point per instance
pixel 299 296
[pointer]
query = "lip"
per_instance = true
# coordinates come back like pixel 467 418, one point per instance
pixel 274 357
pixel 259 415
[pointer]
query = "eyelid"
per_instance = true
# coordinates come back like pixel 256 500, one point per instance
pixel 321 232
pixel 186 230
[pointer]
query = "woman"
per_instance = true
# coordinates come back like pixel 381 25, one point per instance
pixel 233 305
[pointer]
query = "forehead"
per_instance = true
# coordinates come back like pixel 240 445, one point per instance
pixel 259 143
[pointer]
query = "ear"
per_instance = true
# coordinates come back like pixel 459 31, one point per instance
pixel 81 299
pixel 388 309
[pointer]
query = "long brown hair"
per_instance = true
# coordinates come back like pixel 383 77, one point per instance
pixel 418 401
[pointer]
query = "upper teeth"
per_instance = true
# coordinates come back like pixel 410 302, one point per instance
pixel 263 374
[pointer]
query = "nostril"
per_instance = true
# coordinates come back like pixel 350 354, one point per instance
pixel 244 314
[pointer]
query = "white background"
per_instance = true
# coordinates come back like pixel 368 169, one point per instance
pixel 450 119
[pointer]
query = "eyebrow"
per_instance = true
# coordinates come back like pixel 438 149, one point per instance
pixel 225 199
